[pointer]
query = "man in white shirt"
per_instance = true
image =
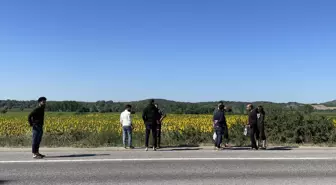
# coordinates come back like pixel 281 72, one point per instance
pixel 126 122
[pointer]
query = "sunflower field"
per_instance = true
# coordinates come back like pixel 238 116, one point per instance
pixel 93 130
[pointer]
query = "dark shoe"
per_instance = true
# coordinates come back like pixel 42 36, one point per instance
pixel 131 147
pixel 35 156
pixel 40 155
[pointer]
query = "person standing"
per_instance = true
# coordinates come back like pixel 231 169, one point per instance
pixel 220 126
pixel 126 123
pixel 261 126
pixel 36 121
pixel 159 126
pixel 253 124
pixel 151 118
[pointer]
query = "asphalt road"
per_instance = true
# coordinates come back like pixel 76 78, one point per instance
pixel 170 166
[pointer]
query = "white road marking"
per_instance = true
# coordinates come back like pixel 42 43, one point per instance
pixel 168 159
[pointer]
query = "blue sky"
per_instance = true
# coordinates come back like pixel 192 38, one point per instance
pixel 184 50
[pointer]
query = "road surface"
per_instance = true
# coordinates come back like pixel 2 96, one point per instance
pixel 169 166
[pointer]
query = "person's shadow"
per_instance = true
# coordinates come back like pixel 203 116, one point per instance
pixel 5 181
pixel 76 155
pixel 268 148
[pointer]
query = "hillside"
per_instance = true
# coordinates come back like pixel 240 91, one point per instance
pixel 168 106
pixel 330 103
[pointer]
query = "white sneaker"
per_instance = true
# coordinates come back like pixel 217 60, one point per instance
pixel 154 149
pixel 146 149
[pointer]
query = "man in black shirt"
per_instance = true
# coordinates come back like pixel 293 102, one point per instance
pixel 151 118
pixel 253 124
pixel 36 121
pixel 220 126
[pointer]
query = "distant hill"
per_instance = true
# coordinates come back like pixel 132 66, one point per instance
pixel 168 106
pixel 323 107
pixel 330 103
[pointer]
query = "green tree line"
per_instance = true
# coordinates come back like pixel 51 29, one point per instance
pixel 167 105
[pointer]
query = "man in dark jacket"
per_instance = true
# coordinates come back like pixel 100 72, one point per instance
pixel 253 124
pixel 36 121
pixel 220 126
pixel 151 118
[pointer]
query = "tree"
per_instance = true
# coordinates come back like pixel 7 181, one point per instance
pixel 4 110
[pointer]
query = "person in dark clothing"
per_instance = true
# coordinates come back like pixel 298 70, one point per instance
pixel 220 126
pixel 151 118
pixel 159 126
pixel 36 121
pixel 261 126
pixel 253 124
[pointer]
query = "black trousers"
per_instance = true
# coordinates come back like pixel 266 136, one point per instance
pixel 149 128
pixel 261 128
pixel 254 134
pixel 37 138
pixel 158 134
pixel 220 131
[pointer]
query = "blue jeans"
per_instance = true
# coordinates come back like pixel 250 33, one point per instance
pixel 127 134
pixel 37 138
pixel 220 131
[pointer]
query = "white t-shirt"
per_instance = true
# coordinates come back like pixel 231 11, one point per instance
pixel 125 118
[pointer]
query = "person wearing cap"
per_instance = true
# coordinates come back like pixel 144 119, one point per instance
pixel 36 121
pixel 220 126
pixel 159 126
pixel 253 124
pixel 151 117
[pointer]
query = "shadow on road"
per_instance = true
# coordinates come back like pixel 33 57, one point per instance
pixel 5 181
pixel 269 148
pixel 183 145
pixel 282 148
pixel 77 155
pixel 181 148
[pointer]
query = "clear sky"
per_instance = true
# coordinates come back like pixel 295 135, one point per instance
pixel 184 50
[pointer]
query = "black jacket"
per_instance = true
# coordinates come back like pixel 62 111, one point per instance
pixel 253 117
pixel 219 118
pixel 261 119
pixel 151 114
pixel 36 117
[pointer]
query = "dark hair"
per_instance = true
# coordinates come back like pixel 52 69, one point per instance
pixel 41 99
pixel 221 104
pixel 151 101
pixel 128 106
pixel 221 107
pixel 251 105
pixel 261 109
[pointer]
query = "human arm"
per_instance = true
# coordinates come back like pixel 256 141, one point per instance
pixel 144 114
pixel 214 118
pixel 31 117
pixel 162 115
pixel 262 118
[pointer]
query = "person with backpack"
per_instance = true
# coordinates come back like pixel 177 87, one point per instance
pixel 36 121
